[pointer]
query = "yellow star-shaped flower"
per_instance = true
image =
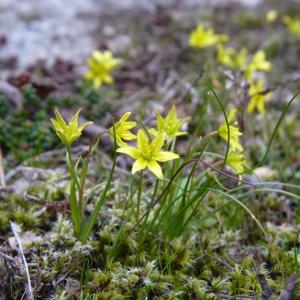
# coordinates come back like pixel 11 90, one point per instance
pixel 231 58
pixel 234 132
pixel 258 63
pixel 170 125
pixel 122 130
pixel 236 161
pixel 225 56
pixel 293 25
pixel 70 132
pixel 257 97
pixel 147 154
pixel 203 37
pixel 240 60
pixel 101 64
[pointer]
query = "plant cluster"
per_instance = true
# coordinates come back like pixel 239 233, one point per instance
pixel 177 211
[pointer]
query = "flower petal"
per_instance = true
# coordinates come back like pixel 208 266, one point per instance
pixel 172 115
pixel 160 122
pixel 97 55
pixel 165 156
pixel 97 83
pixel 55 124
pixel 153 131
pixel 128 136
pixel 83 126
pixel 138 165
pixel 131 151
pixel 158 142
pixel 232 113
pixel 155 168
pixel 107 79
pixel 142 140
pixel 59 118
pixel 124 117
pixel 128 125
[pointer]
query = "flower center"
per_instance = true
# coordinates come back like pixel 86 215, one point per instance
pixel 147 155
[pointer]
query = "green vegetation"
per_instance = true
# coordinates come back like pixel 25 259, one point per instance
pixel 179 183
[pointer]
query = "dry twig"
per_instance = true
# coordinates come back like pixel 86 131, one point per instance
pixel 28 288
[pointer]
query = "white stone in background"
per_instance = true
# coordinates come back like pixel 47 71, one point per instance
pixel 120 43
pixel 265 173
pixel 6 4
pixel 45 29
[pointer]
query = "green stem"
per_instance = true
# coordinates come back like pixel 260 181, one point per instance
pixel 71 166
pixel 202 143
pixel 113 250
pixel 92 219
pixel 155 190
pixel 148 210
pixel 92 147
pixel 140 191
pixel 210 87
pixel 75 209
pixel 86 230
pixel 174 164
pixel 83 175
pixel 79 181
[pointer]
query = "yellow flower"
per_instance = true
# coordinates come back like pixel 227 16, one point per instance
pixel 101 64
pixel 257 98
pixel 122 130
pixel 148 154
pixel 203 37
pixel 240 59
pixel 258 63
pixel 231 58
pixel 225 56
pixel 234 132
pixel 68 133
pixel 236 161
pixel 170 125
pixel 271 15
pixel 293 25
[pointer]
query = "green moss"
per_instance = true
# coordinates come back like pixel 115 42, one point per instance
pixel 17 209
pixel 48 192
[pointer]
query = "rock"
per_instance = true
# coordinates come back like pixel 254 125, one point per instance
pixel 265 173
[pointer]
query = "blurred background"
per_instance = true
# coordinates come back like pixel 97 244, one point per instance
pixel 71 29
